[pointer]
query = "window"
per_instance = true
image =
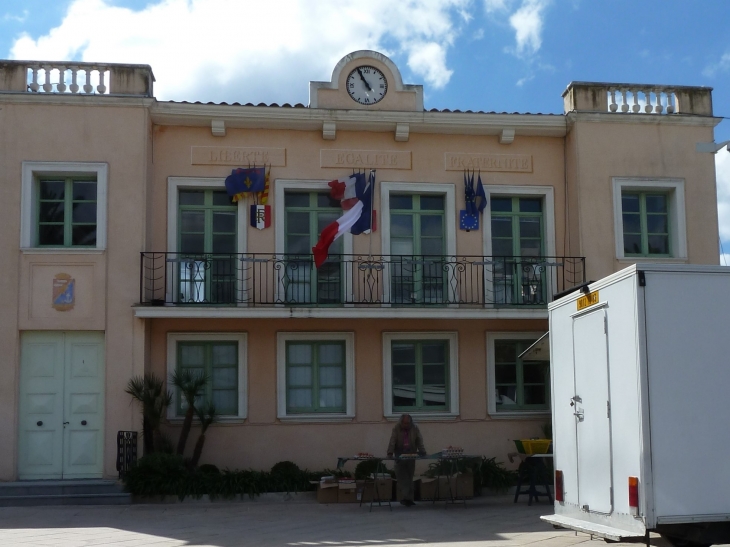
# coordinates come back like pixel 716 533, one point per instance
pixel 219 356
pixel 315 376
pixel 207 233
pixel 66 212
pixel 417 238
pixel 518 247
pixel 515 386
pixel 63 206
pixel 645 224
pixel 649 219
pixel 420 373
pixel 306 215
pixel 418 235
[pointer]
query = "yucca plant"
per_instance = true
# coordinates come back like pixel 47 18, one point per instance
pixel 207 416
pixel 190 385
pixel 149 390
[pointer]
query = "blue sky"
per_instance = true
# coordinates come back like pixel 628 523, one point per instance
pixel 503 55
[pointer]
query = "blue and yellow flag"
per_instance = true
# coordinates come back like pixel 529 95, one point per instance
pixel 243 181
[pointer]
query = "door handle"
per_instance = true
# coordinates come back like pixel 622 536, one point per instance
pixel 579 414
pixel 66 423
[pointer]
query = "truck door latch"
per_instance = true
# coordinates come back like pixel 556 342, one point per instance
pixel 579 414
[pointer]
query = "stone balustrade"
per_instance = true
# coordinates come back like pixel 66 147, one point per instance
pixel 76 78
pixel 637 99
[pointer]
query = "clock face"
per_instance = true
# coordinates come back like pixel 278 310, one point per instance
pixel 367 85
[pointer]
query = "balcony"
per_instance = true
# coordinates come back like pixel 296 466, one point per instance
pixel 237 285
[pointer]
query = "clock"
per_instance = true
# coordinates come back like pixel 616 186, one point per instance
pixel 367 85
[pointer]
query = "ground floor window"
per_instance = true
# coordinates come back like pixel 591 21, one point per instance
pixel 219 357
pixel 316 375
pixel 516 384
pixel 420 373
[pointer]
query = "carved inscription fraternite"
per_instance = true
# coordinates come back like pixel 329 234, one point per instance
pixel 458 161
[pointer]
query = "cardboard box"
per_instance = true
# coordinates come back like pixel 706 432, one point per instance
pixel 327 492
pixel 385 489
pixel 462 486
pixel 434 488
pixel 459 486
pixel 347 492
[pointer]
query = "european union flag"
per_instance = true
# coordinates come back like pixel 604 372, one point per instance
pixel 243 181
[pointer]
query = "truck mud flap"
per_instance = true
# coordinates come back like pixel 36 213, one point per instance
pixel 607 532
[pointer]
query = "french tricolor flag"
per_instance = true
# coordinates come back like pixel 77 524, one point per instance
pixel 356 197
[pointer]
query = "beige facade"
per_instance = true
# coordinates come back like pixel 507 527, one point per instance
pixel 143 155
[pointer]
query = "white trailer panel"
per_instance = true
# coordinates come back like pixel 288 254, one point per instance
pixel 639 389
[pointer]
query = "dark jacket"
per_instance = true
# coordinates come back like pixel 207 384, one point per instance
pixel 395 446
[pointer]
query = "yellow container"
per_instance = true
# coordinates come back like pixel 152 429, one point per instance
pixel 533 446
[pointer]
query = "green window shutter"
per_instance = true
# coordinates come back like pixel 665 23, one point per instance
pixel 520 385
pixel 219 362
pixel 66 212
pixel 646 226
pixel 315 377
pixel 420 375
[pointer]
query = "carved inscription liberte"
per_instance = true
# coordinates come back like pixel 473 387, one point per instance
pixel 456 161
pixel 385 159
pixel 241 157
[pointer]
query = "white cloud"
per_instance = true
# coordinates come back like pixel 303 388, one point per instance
pixel 722 65
pixel 251 51
pixel 16 18
pixel 527 23
pixel 496 5
pixel 722 169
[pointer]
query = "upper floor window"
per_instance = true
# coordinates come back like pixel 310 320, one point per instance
pixel 645 223
pixel 66 212
pixel 518 247
pixel 306 215
pixel 207 240
pixel 63 206
pixel 649 218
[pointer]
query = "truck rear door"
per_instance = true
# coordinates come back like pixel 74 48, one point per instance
pixel 591 406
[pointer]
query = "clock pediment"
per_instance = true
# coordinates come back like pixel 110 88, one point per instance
pixel 396 97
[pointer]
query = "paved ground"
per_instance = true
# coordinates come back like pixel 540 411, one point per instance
pixel 489 521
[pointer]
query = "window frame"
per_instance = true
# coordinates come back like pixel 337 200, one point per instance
pixel 31 173
pixel 281 384
pixel 172 359
pixel 491 338
pixel 452 380
pixel 674 189
pixel 315 387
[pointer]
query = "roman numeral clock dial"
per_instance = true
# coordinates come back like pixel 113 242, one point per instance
pixel 367 85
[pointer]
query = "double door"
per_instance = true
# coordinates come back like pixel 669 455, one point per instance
pixel 61 414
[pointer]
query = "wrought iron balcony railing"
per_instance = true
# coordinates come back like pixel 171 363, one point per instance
pixel 293 280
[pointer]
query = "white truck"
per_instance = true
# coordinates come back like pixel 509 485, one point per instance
pixel 640 373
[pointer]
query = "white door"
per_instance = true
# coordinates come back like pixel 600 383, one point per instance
pixel 592 411
pixel 61 405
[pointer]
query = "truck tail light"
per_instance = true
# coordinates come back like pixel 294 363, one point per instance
pixel 634 495
pixel 559 496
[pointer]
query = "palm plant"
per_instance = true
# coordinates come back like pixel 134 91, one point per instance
pixel 207 416
pixel 190 385
pixel 149 391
